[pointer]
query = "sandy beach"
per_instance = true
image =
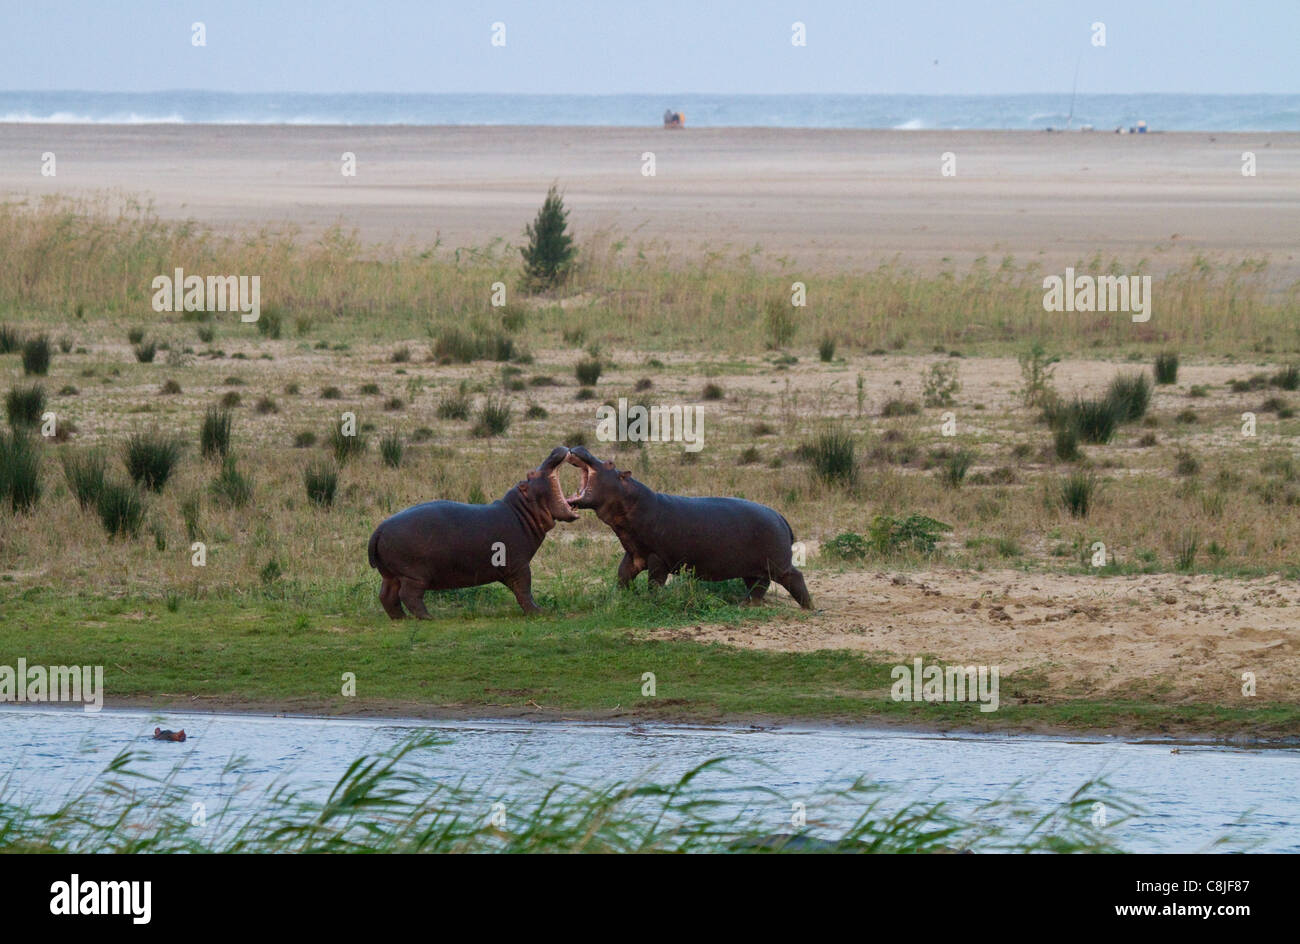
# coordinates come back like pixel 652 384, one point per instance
pixel 827 199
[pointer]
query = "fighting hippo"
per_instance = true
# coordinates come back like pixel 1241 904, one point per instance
pixel 160 735
pixel 443 545
pixel 718 538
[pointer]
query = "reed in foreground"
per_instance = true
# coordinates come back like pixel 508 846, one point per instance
pixel 391 802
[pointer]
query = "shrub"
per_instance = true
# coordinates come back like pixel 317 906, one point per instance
pixel 918 533
pixel 1076 493
pixel 493 417
pixel 331 393
pixel 231 487
pixel 36 355
pixel 84 473
pixel 847 546
pixel 390 448
pixel 207 333
pixel 712 391
pixel 1189 542
pixel 321 481
pixel 897 407
pixel 214 434
pixel 135 335
pixel 270 323
pixel 1035 374
pixel 150 459
pixel 455 346
pixel 940 385
pixel 826 349
pixel 120 510
pixel 304 439
pixel 170 388
pixel 1131 395
pixel 20 471
pixel 780 323
pixel 1095 420
pixel 145 351
pixel 24 406
pixel 588 372
pixel 1185 463
pixel 1166 368
pixel 266 406
pixel 550 250
pixel 834 456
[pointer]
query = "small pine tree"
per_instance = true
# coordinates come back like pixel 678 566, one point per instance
pixel 550 249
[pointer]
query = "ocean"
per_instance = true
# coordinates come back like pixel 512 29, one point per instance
pixel 1161 112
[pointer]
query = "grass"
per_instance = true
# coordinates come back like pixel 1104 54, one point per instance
pixel 20 471
pixel 1165 368
pixel 588 372
pixel 24 406
pixel 321 482
pixel 833 455
pixel 1077 493
pixel 150 459
pixel 84 472
pixel 393 802
pixel 391 449
pixel 493 417
pixel 231 487
pixel 36 355
pixel 120 509
pixel 1131 396
pixel 214 433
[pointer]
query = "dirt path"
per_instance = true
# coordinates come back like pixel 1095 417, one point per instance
pixel 1176 637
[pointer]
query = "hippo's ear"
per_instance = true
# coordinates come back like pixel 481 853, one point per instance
pixel 625 474
pixel 609 464
pixel 523 488
pixel 533 473
pixel 157 731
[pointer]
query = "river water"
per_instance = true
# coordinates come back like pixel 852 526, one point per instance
pixel 1190 793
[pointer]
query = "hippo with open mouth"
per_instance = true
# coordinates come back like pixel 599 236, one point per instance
pixel 443 545
pixel 718 538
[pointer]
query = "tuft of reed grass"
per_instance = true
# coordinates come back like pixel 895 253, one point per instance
pixel 20 471
pixel 345 447
pixel 1131 395
pixel 1165 368
pixel 588 371
pixel 36 354
pixel 391 449
pixel 24 406
pixel 121 510
pixel 952 472
pixel 321 481
pixel 145 351
pixel 214 433
pixel 84 473
pixel 1077 493
pixel 833 454
pixel 231 488
pixel 493 417
pixel 454 405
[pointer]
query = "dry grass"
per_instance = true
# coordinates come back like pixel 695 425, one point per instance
pixel 86 273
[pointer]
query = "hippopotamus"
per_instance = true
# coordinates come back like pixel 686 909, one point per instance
pixel 717 538
pixel 160 735
pixel 444 545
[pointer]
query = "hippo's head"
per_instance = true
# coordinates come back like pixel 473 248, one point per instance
pixel 604 488
pixel 541 490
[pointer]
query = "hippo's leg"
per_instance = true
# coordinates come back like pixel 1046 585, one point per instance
pixel 658 569
pixel 412 594
pixel 757 586
pixel 792 580
pixel 628 568
pixel 521 585
pixel 388 597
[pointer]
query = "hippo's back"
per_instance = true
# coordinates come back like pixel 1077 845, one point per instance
pixel 720 537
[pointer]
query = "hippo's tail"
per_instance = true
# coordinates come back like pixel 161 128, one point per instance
pixel 373 551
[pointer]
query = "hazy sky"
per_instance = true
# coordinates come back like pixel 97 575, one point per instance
pixel 654 46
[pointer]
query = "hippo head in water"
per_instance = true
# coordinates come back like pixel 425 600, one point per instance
pixel 541 492
pixel 611 493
